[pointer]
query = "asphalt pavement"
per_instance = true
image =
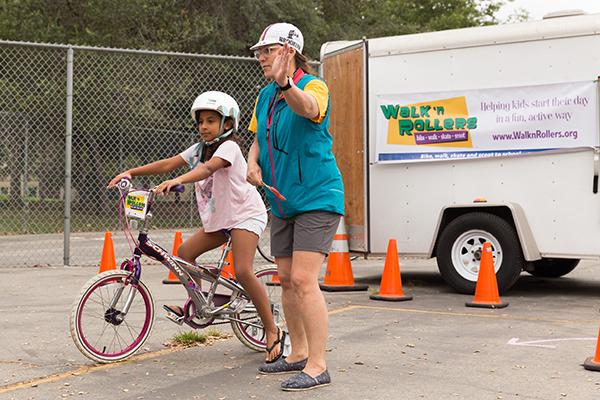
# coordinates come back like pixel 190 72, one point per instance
pixel 432 347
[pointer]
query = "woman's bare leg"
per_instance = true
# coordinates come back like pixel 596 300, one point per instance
pixel 292 308
pixel 313 310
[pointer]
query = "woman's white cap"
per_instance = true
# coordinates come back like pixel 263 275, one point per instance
pixel 281 33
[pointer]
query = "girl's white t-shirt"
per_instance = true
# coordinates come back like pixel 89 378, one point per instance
pixel 225 198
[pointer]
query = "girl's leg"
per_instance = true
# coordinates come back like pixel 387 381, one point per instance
pixel 244 248
pixel 292 308
pixel 313 310
pixel 199 243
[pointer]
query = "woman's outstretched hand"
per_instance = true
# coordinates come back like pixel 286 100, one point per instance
pixel 281 64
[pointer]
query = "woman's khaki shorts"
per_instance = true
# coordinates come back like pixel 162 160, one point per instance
pixel 310 231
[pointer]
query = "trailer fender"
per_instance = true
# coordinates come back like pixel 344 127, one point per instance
pixel 511 212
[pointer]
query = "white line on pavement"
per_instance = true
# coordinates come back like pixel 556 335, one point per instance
pixel 535 343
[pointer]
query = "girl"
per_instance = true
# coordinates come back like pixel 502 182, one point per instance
pixel 225 200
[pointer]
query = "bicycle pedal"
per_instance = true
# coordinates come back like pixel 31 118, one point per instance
pixel 237 305
pixel 171 316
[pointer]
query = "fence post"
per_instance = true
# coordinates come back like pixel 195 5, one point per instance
pixel 68 143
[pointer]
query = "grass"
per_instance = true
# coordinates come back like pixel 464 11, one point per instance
pixel 194 338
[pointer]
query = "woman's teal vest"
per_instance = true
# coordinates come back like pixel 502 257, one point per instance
pixel 296 157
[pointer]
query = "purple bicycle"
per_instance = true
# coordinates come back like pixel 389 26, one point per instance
pixel 114 313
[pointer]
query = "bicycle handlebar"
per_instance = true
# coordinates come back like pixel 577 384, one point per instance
pixel 177 189
pixel 125 184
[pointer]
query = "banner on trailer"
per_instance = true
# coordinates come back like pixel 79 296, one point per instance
pixel 486 123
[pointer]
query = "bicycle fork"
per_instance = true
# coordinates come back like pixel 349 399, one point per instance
pixel 114 316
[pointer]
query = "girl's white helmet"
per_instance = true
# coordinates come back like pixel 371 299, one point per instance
pixel 220 102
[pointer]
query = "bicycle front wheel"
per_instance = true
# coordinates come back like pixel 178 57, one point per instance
pixel 99 325
pixel 252 336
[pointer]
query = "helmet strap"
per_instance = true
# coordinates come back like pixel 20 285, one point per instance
pixel 223 135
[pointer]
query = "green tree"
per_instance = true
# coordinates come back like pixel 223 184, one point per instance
pixel 229 26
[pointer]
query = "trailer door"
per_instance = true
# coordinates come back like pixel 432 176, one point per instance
pixel 345 73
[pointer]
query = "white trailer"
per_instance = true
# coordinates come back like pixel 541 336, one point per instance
pixel 449 139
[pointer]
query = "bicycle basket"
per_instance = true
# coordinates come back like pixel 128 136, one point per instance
pixel 136 204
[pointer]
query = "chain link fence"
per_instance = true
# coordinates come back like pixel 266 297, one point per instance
pixel 128 108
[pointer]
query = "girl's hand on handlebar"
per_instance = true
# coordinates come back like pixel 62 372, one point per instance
pixel 166 186
pixel 117 179
pixel 254 175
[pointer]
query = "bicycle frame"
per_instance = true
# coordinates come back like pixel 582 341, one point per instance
pixel 186 272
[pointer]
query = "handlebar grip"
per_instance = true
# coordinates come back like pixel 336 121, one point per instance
pixel 178 189
pixel 124 184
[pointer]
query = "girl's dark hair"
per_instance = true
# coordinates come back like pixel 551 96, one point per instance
pixel 209 150
pixel 303 62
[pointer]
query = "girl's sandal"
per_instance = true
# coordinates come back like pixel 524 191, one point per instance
pixel 280 341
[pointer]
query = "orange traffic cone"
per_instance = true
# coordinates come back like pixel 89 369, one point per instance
pixel 486 291
pixel 228 270
pixel 172 279
pixel 593 363
pixel 391 282
pixel 107 261
pixel 274 281
pixel 338 277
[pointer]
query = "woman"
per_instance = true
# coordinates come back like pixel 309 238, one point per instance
pixel 292 153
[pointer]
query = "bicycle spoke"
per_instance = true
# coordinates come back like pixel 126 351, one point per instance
pixel 120 340
pixel 101 334
pixel 96 301
pixel 97 316
pixel 129 329
pixel 112 342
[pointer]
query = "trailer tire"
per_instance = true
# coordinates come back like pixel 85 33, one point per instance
pixel 552 267
pixel 459 250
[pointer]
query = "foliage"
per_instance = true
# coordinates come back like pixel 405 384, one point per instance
pixel 229 26
pixel 188 338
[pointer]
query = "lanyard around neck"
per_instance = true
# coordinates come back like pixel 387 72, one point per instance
pixel 270 112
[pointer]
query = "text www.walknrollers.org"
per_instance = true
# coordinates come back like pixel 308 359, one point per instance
pixel 537 134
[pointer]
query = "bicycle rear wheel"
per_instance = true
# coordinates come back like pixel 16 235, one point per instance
pixel 98 326
pixel 251 336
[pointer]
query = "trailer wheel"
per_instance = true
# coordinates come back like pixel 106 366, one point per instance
pixel 552 267
pixel 459 251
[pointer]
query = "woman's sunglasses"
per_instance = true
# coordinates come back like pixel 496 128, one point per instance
pixel 265 51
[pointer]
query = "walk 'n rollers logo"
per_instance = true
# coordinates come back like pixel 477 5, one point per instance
pixel 443 123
